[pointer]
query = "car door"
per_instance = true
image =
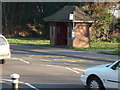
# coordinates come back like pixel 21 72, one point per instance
pixel 113 76
pixel 4 47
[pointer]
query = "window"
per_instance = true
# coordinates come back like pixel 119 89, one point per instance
pixel 116 66
pixel 2 41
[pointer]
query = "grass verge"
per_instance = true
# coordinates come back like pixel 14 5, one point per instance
pixel 100 45
pixel 44 42
pixel 29 41
pixel 117 52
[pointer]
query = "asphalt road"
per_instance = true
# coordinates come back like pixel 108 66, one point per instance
pixel 39 70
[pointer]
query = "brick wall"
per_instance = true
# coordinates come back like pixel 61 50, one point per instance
pixel 82 38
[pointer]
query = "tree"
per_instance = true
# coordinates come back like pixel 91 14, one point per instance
pixel 101 12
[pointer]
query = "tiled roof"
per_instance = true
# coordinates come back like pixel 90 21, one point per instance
pixel 63 15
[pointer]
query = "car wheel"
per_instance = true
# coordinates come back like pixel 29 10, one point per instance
pixel 2 61
pixel 94 83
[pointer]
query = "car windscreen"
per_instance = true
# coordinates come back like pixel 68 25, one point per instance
pixel 2 41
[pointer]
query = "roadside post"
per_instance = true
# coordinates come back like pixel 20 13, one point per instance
pixel 71 17
pixel 15 81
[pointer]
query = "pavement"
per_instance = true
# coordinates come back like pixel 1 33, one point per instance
pixel 92 55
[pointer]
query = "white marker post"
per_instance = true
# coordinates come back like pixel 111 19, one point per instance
pixel 71 17
pixel 15 77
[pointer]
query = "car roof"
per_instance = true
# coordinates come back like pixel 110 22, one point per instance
pixel 1 35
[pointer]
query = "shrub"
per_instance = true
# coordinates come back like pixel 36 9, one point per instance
pixel 115 37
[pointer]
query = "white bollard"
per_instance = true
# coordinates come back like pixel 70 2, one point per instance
pixel 15 77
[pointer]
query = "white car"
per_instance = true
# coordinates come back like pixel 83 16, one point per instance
pixel 4 49
pixel 102 77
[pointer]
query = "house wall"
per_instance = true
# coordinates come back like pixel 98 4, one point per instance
pixel 82 38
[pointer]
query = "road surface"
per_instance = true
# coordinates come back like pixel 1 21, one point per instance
pixel 47 70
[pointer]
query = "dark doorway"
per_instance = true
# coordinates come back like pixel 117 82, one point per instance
pixel 61 34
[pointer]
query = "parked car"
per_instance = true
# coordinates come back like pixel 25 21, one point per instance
pixel 102 77
pixel 4 49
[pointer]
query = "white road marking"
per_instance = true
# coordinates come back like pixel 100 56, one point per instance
pixel 25 61
pixel 31 86
pixel 6 80
pixel 65 68
pixel 22 60
pixel 15 58
pixel 55 66
pixel 72 70
pixel 78 69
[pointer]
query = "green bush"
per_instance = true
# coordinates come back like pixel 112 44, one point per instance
pixel 115 37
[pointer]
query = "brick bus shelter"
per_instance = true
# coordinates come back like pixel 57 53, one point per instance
pixel 64 21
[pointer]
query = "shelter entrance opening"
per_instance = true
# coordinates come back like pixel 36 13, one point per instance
pixel 61 34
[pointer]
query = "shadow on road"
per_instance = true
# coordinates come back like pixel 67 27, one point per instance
pixel 6 86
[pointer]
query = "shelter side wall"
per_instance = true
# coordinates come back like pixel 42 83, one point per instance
pixel 82 38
